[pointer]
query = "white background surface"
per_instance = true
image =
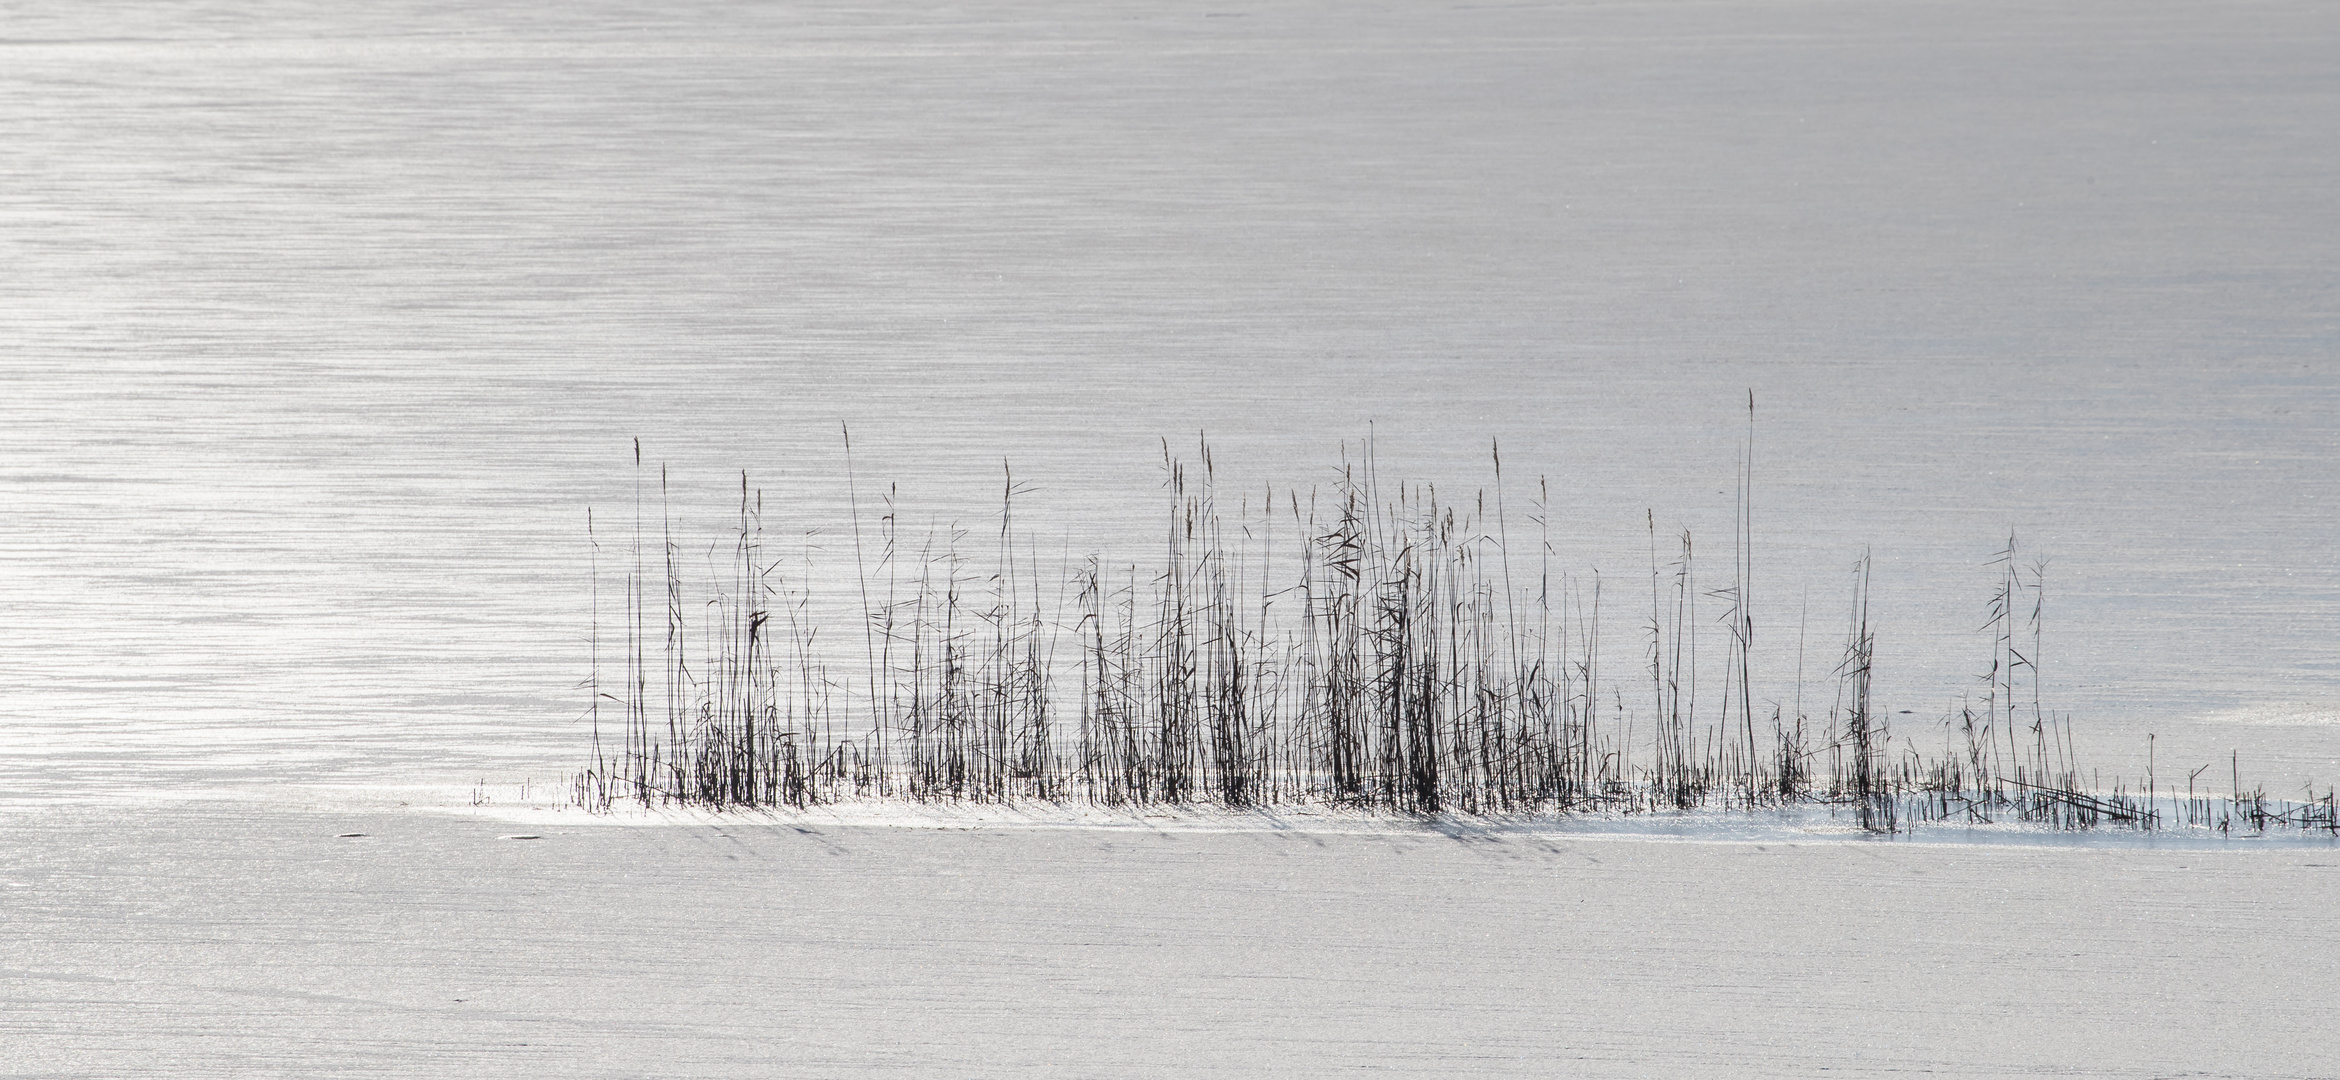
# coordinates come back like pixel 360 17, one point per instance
pixel 225 942
pixel 321 326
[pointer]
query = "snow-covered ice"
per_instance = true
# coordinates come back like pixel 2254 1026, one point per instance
pixel 228 939
pixel 322 325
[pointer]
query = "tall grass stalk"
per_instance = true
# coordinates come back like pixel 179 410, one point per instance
pixel 1364 645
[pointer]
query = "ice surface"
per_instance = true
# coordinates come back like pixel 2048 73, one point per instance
pixel 325 328
pixel 229 940
pixel 323 324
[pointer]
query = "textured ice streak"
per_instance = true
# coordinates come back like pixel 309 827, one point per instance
pixel 2282 714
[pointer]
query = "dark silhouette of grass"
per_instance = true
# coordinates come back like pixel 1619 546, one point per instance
pixel 1388 657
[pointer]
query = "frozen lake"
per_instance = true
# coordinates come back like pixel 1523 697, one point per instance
pixel 323 329
pixel 232 943
pixel 322 326
pixel 222 942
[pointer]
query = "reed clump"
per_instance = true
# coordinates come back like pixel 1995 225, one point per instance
pixel 1369 646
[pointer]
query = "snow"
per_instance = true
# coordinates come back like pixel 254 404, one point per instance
pixel 324 324
pixel 236 938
